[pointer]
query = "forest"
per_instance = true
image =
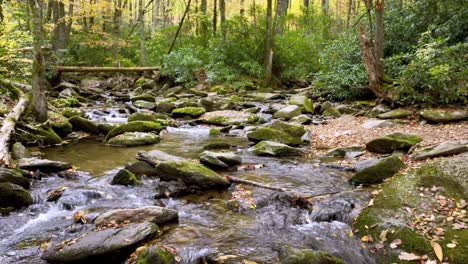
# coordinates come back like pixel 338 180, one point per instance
pixel 242 131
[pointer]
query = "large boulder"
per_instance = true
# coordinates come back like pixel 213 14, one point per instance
pixel 376 170
pixel 193 112
pixel 156 255
pixel 346 152
pixel 290 129
pixel 304 101
pixel 288 112
pixel 153 214
pixel 43 165
pixel 301 120
pixel 220 160
pixel 307 256
pixel 135 126
pixel 82 124
pixel 125 177
pixel 271 134
pixel 271 148
pixel 191 174
pixel 442 149
pixel 60 124
pixel 392 142
pixel 131 139
pixel 141 168
pixel 111 245
pixel 155 157
pixel 395 114
pixel 153 117
pixel 18 151
pixel 142 104
pixel 439 116
pixel 12 195
pixel 8 175
pixel 37 135
pixel 229 117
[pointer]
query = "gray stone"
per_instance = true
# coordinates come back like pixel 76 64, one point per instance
pixel 376 170
pixel 442 149
pixel 301 120
pixel 141 168
pixel 395 114
pixel 144 104
pixel 43 165
pixel 18 151
pixel 229 117
pixel 271 148
pixel 131 139
pixel 346 152
pixel 374 123
pixel 12 195
pixel 220 160
pixel 437 116
pixel 288 112
pixel 153 214
pixel 392 142
pixel 154 157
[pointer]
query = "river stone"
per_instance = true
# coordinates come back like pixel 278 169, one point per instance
pixel 395 114
pixel 271 148
pixel 188 111
pixel 144 104
pixel 166 105
pixel 43 165
pixel 346 152
pixel 378 109
pixel 376 170
pixel 288 112
pixel 153 214
pixel 111 245
pixel 135 126
pixel 301 120
pixel 220 160
pixel 82 124
pixel 331 112
pixel 147 117
pixel 218 145
pixel 13 195
pixel 302 100
pixel 154 157
pixel 125 177
pixel 131 139
pixel 70 112
pixel 143 97
pixel 229 117
pixel 60 124
pixel 392 142
pixel 37 135
pixel 265 96
pixel 271 134
pixel 18 151
pixel 212 103
pixel 7 175
pixel 141 168
pixel 307 256
pixel 64 85
pixel 191 174
pixel 373 123
pixel 290 129
pixel 438 116
pixel 443 149
pixel 156 255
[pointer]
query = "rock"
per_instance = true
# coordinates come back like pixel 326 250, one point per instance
pixel 307 256
pixel 65 85
pixel 39 136
pixel 125 177
pixel 188 111
pixel 135 126
pixel 155 157
pixel 69 112
pixel 346 152
pixel 11 176
pixel 331 112
pixel 218 145
pixel 111 245
pixel 83 124
pixel 443 149
pixel 43 165
pixel 141 168
pixel 290 129
pixel 13 195
pixel 229 117
pixel 373 123
pixel 60 124
pixel 147 117
pixel 168 189
pixel 378 109
pixel 156 255
pixel 220 160
pixel 301 120
pixel 191 174
pixel 302 100
pixel 288 112
pixel 439 116
pixel 392 142
pixel 271 134
pixel 131 139
pixel 18 151
pixel 144 104
pixel 153 214
pixel 395 114
pixel 266 96
pixel 166 105
pixel 376 170
pixel 324 106
pixel 106 128
pixel 143 97
pixel 212 103
pixel 270 148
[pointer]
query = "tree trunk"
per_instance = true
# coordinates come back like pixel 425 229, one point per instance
pixel 281 11
pixel 215 16
pixel 203 21
pixel 222 14
pixel 38 101
pixel 1 12
pixel 242 8
pixel 104 69
pixel 379 38
pixel 141 29
pixel 269 43
pixel 180 27
pixel 155 15
pixel 117 20
pixel 348 14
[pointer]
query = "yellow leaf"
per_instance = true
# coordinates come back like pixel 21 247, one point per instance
pixel 365 239
pixel 451 245
pixel 438 250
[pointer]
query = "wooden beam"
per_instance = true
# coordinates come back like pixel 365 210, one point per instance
pixel 104 69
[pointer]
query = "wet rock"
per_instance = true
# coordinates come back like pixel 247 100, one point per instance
pixel 125 177
pixel 110 245
pixel 60 124
pixel 18 151
pixel 13 195
pixel 69 112
pixel 106 128
pixel 331 112
pixel 43 165
pixel 193 112
pixel 218 145
pixel 378 109
pixel 270 148
pixel 141 168
pixel 212 103
pixel 166 106
pixel 153 214
pixel 395 114
pixel 135 126
pixel 307 256
pixel 39 136
pixel 301 120
pixel 191 174
pixel 220 160
pixel 302 100
pixel 346 152
pixel 438 116
pixel 155 255
pixel 271 134
pixel 229 117
pixel 376 170
pixel 374 123
pixel 392 142
pixel 83 124
pixel 266 96
pixel 13 176
pixel 288 112
pixel 130 139
pixel 155 157
pixel 443 149
pixel 320 108
pixel 143 97
pixel 290 129
pixel 147 117
pixel 144 104
pixel 166 189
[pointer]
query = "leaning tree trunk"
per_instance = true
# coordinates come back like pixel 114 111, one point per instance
pixel 187 8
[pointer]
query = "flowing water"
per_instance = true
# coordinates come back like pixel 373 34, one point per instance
pixel 207 225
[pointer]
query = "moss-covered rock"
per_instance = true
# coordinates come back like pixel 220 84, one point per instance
pixel 141 168
pixel 331 112
pixel 9 175
pixel 270 148
pixel 105 128
pixel 346 152
pixel 130 139
pixel 18 151
pixel 375 171
pixel 166 105
pixel 13 195
pixel 60 124
pixel 146 117
pixel 288 112
pixel 220 160
pixel 143 97
pixel 443 149
pixel 125 177
pixel 229 117
pixel 39 136
pixel 303 101
pixel 301 120
pixel 271 134
pixel 155 255
pixel 392 142
pixel 85 125
pixel 71 112
pixel 135 126
pixel 290 129
pixel 439 116
pixel 188 111
pixel 307 256
pixel 144 104
pixel 395 114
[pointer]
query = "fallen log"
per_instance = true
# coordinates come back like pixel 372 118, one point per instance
pixel 104 69
pixel 24 87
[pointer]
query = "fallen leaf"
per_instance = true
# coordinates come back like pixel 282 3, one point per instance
pixel 438 250
pixel 395 243
pixel 371 202
pixel 451 245
pixel 365 239
pixel 408 256
pixel 383 236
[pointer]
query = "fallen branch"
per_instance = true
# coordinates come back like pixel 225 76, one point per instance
pixel 24 87
pixel 104 69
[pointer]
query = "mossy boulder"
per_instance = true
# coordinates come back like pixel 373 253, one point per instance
pixel 191 174
pixel 71 112
pixel 105 128
pixel 142 104
pixel 39 136
pixel 166 105
pixel 141 168
pixel 290 129
pixel 392 142
pixel 301 120
pixel 271 148
pixel 135 126
pixel 220 160
pixel 83 124
pixel 271 134
pixel 18 151
pixel 307 256
pixel 131 139
pixel 439 116
pixel 155 255
pixel 346 152
pixel 143 97
pixel 288 112
pixel 146 117
pixel 13 195
pixel 331 112
pixel 376 170
pixel 188 111
pixel 60 124
pixel 443 149
pixel 395 114
pixel 303 101
pixel 11 176
pixel 229 117
pixel 125 177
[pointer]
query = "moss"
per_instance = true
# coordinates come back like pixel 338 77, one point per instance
pixel 144 104
pixel 39 136
pixel 49 137
pixel 130 139
pixel 307 256
pixel 83 124
pixel 136 126
pixel 215 132
pixel 155 255
pixel 60 124
pixel 71 112
pixel 252 119
pixel 394 114
pixel 293 130
pixel 29 243
pixel 143 97
pixel 379 171
pixel 139 82
pixel 308 106
pixel 411 240
pixel 125 177
pixel 189 111
pixel 459 254
pixel 217 120
pixel 147 117
pixel 332 112
pixel 105 128
pixel 392 142
pixel 270 134
pixel 12 195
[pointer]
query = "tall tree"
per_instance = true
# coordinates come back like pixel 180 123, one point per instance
pixel 141 29
pixel 63 24
pixel 269 43
pixel 1 11
pixel 281 11
pixel 215 16
pixel 222 15
pixel 38 104
pixel 242 8
pixel 119 5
